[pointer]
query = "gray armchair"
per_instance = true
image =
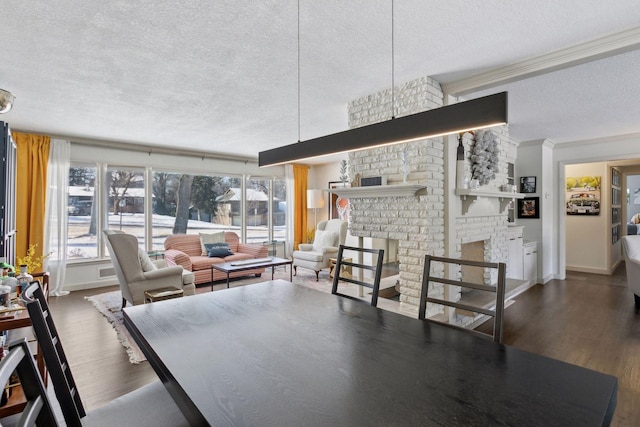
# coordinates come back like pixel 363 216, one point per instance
pixel 137 273
pixel 329 236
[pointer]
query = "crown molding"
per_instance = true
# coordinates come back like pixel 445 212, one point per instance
pixel 593 50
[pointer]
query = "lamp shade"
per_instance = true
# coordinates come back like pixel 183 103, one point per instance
pixel 315 199
pixel 6 101
pixel 455 118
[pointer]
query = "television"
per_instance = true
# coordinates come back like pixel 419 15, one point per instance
pixel 7 195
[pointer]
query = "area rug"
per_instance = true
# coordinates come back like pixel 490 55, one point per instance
pixel 109 304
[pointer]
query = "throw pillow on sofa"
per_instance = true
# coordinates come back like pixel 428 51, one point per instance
pixel 205 238
pixel 217 250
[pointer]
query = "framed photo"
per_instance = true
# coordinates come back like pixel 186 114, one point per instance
pixel 615 215
pixel 529 207
pixel 527 184
pixel 583 195
pixel 338 207
pixel 615 177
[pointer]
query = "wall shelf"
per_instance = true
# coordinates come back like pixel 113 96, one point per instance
pixel 469 196
pixel 400 190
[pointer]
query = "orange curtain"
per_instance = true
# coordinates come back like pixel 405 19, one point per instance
pixel 300 173
pixel 31 183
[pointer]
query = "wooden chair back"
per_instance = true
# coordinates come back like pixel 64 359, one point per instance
pixel 53 354
pixel 340 275
pixel 38 409
pixel 494 308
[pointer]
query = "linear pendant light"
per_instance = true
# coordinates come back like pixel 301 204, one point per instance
pixel 477 113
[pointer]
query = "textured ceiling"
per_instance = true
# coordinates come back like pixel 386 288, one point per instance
pixel 222 77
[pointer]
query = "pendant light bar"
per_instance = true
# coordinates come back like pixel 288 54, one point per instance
pixel 477 113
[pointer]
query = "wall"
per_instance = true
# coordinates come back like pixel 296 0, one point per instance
pixel 589 236
pixel 624 147
pixel 535 158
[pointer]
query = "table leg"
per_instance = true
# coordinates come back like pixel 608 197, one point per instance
pixel 211 279
pixel 290 273
pixel 227 280
pixel 273 268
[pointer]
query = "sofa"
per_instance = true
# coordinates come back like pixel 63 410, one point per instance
pixel 186 250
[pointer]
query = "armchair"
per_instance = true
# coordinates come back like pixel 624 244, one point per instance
pixel 329 235
pixel 137 273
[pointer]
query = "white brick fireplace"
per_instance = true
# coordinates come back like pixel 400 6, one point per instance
pixel 430 218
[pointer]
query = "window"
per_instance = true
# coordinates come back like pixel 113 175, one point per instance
pixel 83 219
pixel 115 197
pixel 211 203
pixel 279 210
pixel 124 192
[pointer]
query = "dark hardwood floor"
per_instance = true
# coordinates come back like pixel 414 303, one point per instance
pixel 588 320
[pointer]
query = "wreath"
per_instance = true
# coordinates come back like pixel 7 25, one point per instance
pixel 484 156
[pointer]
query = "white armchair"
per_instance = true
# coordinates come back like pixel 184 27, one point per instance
pixel 631 251
pixel 137 273
pixel 329 235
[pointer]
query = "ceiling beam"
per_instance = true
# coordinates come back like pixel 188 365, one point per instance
pixel 593 50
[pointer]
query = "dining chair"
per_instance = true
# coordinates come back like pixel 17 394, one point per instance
pixel 150 405
pixel 340 273
pixel 478 298
pixel 38 409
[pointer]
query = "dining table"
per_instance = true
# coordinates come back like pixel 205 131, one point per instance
pixel 276 353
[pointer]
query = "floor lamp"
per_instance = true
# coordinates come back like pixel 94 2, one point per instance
pixel 315 201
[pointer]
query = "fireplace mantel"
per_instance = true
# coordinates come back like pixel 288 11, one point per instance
pixel 469 196
pixel 399 190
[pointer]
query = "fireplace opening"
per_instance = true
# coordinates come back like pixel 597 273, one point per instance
pixel 472 251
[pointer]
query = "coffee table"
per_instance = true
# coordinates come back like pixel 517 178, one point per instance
pixel 250 264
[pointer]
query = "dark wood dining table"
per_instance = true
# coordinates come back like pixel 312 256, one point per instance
pixel 279 354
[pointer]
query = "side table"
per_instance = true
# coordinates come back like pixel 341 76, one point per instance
pixel 162 294
pixel 346 269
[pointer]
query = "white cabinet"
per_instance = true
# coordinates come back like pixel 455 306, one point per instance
pixel 530 261
pixel 514 255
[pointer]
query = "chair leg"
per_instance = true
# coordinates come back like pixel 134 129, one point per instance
pixel 295 270
pixel 124 303
pixel 317 275
pixel 637 301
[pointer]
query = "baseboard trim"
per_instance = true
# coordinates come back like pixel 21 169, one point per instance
pixel 589 270
pixel 90 285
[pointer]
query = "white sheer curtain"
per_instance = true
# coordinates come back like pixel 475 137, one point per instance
pixel 55 230
pixel 288 174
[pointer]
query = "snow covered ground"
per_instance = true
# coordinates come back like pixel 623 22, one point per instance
pixel 81 244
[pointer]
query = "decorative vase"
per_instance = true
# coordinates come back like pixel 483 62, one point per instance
pixel 24 278
pixel 460 175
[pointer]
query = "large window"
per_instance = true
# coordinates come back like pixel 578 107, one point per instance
pixel 193 203
pixel 108 196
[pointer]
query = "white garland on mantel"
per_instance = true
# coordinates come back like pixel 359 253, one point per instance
pixel 484 156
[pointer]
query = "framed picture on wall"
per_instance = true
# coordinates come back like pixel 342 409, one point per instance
pixel 583 195
pixel 615 177
pixel 529 207
pixel 338 207
pixel 527 184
